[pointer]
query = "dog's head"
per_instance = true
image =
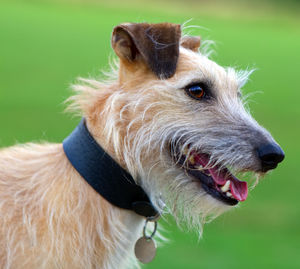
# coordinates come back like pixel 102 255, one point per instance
pixel 176 120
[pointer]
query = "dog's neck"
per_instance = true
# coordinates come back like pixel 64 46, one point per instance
pixel 104 174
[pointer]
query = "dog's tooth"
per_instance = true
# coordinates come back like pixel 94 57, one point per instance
pixel 192 160
pixel 185 151
pixel 228 194
pixel 199 167
pixel 226 186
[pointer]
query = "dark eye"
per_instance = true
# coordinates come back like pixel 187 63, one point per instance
pixel 195 91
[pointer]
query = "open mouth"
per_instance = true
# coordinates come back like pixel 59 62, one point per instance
pixel 216 181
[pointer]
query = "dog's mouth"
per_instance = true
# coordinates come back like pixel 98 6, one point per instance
pixel 217 181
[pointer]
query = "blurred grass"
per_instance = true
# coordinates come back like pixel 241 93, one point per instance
pixel 45 45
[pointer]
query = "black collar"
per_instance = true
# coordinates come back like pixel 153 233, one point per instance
pixel 104 174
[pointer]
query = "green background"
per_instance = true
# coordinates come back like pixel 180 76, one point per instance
pixel 45 45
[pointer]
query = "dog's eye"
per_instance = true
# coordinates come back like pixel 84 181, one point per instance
pixel 195 91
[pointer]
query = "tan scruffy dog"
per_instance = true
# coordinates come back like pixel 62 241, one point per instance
pixel 171 118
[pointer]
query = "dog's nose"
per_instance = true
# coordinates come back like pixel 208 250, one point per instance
pixel 270 155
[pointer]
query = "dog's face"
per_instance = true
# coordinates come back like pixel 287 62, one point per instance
pixel 182 124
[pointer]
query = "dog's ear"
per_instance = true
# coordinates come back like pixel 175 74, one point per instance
pixel 155 44
pixel 191 42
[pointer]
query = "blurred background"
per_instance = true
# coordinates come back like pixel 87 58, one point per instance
pixel 46 45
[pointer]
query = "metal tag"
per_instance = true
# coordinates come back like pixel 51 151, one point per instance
pixel 145 249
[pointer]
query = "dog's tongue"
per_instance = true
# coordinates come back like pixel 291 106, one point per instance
pixel 239 189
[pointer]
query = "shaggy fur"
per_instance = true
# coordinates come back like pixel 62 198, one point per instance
pixel 51 218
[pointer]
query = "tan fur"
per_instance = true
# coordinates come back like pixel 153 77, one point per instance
pixel 51 218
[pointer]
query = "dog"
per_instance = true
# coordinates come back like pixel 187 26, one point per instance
pixel 164 133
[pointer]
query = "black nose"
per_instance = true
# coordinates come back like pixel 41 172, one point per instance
pixel 270 155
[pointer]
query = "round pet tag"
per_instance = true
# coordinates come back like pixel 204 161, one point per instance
pixel 145 250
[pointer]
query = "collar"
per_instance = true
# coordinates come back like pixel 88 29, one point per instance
pixel 104 174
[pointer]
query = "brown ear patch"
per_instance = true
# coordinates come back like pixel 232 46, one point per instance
pixel 191 42
pixel 156 44
pixel 123 45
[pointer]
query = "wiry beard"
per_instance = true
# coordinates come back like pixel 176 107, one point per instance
pixel 147 155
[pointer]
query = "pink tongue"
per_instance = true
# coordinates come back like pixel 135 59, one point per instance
pixel 220 177
pixel 239 189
